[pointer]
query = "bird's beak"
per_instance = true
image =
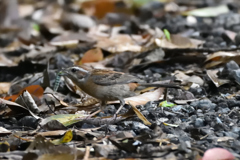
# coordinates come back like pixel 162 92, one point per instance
pixel 63 73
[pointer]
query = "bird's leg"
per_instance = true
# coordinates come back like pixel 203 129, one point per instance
pixel 103 105
pixel 122 103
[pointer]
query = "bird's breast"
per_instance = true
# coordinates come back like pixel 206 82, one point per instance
pixel 108 92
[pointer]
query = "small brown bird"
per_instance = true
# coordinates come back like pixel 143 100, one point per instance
pixel 107 85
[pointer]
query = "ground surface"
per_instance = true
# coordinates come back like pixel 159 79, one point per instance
pixel 194 45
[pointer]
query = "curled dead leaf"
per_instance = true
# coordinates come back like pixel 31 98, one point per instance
pixel 92 55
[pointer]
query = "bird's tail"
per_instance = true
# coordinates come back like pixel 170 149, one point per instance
pixel 159 85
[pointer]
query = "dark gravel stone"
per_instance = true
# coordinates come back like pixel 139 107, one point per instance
pixel 237 38
pixel 86 125
pixel 233 103
pixel 138 126
pixel 188 109
pixel 198 92
pixel 28 121
pixel 236 75
pixel 204 104
pixel 236 129
pixel 174 140
pixel 113 128
pixel 177 108
pixel 223 110
pixel 231 134
pixel 223 44
pixel 228 69
pixel 222 105
pixel 199 122
pixel 148 73
pixel 110 109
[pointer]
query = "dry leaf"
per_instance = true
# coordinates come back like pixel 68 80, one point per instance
pixel 4 61
pixel 221 57
pixel 52 133
pixel 4 131
pixel 140 115
pixel 117 44
pixel 26 100
pixel 186 79
pixel 98 8
pixel 79 20
pixel 4 87
pixel 34 90
pixel 92 55
pixel 208 11
pixel 177 41
pixel 145 97
pixel 212 74
pixel 70 39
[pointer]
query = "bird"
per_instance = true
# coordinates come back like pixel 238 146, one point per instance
pixel 107 85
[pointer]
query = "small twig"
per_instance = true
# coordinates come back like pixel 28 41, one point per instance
pixel 87 153
pixel 180 50
pixel 53 96
pixel 231 111
pixel 196 149
pixel 24 139
pixel 93 114
pixel 204 136
pixel 49 106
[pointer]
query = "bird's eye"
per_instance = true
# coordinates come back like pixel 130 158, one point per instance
pixel 73 70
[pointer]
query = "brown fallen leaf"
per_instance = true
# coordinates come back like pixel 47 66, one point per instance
pixel 34 90
pixel 16 108
pixel 177 41
pixel 98 8
pixel 188 79
pixel 92 55
pixel 4 87
pixel 140 115
pixel 221 57
pixel 143 99
pixel 52 133
pixel 4 61
pixel 4 131
pixel 212 74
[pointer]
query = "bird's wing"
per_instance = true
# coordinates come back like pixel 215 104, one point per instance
pixel 108 77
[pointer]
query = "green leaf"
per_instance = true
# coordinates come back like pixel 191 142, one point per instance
pixel 65 119
pixel 167 34
pixel 125 141
pixel 36 27
pixel 166 104
pixel 65 139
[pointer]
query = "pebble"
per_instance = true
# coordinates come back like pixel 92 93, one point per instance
pixel 177 108
pixel 204 104
pixel 188 109
pixel 231 134
pixel 138 126
pixel 199 122
pixel 113 128
pixel 223 110
pixel 237 39
pixel 229 68
pixel 236 75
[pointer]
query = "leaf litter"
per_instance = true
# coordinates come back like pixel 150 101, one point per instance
pixel 194 44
